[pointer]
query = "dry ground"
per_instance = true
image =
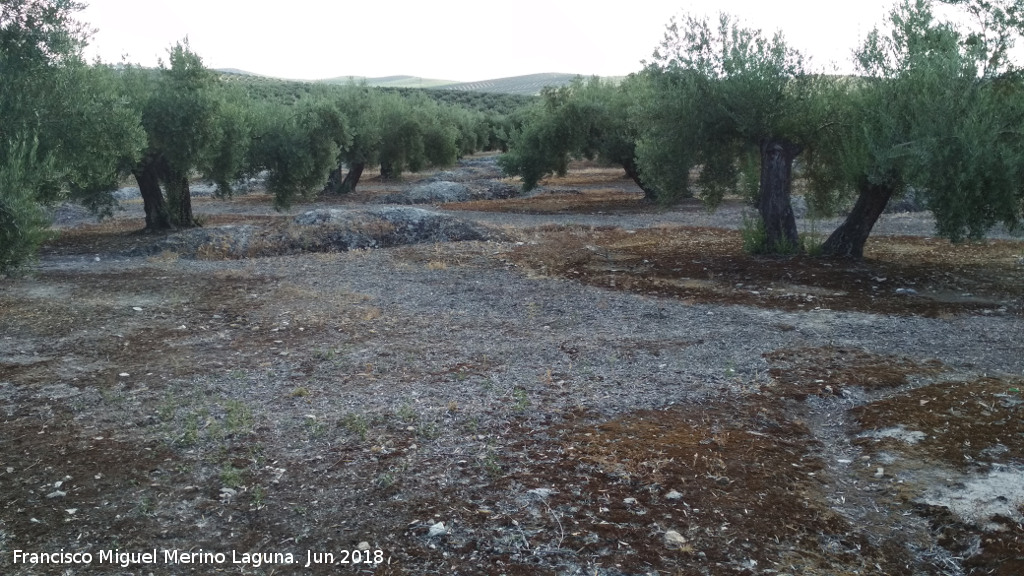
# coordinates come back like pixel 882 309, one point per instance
pixel 604 388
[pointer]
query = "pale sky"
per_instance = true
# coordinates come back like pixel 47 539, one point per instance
pixel 464 40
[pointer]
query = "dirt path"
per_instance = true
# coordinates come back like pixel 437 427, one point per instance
pixel 619 393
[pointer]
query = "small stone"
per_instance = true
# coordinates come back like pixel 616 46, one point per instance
pixel 137 309
pixel 71 511
pixel 629 501
pixel 880 472
pixel 124 374
pixel 673 495
pixel 437 530
pixel 57 494
pixel 674 539
pixel 363 546
pixel 10 470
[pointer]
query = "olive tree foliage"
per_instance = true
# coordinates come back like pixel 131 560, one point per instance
pixel 935 110
pixel 734 104
pixel 588 118
pixel 64 129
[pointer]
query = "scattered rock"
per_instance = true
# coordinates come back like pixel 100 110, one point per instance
pixel 542 493
pixel 897 433
pixel 57 494
pixel 673 495
pixel 430 193
pixel 328 229
pixel 674 539
pixel 438 529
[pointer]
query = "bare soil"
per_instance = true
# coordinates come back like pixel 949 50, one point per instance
pixel 599 386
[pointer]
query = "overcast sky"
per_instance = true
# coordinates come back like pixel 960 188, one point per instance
pixel 463 40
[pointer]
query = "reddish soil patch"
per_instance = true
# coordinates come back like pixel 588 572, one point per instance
pixel 969 426
pixel 801 372
pixel 964 423
pixel 901 275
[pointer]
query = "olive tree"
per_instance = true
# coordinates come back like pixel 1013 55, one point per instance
pixel 297 145
pixel 935 110
pixel 398 134
pixel 64 129
pixel 193 125
pixel 588 118
pixel 715 95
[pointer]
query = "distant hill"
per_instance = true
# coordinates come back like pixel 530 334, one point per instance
pixel 391 81
pixel 530 84
pixel 238 72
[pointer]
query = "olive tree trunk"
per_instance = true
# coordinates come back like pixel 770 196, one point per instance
pixel 179 199
pixel 848 240
pixel 336 184
pixel 633 172
pixel 147 174
pixel 777 157
pixel 355 172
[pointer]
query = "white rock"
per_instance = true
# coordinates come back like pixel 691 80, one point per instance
pixel 57 494
pixel 437 530
pixel 880 472
pixel 629 501
pixel 363 546
pixel 673 495
pixel 674 539
pixel 541 492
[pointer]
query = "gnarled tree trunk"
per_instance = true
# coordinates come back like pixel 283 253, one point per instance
pixel 777 157
pixel 179 199
pixel 147 174
pixel 848 240
pixel 355 172
pixel 334 181
pixel 633 172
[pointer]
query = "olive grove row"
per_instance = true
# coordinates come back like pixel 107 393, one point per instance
pixel 72 130
pixel 936 106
